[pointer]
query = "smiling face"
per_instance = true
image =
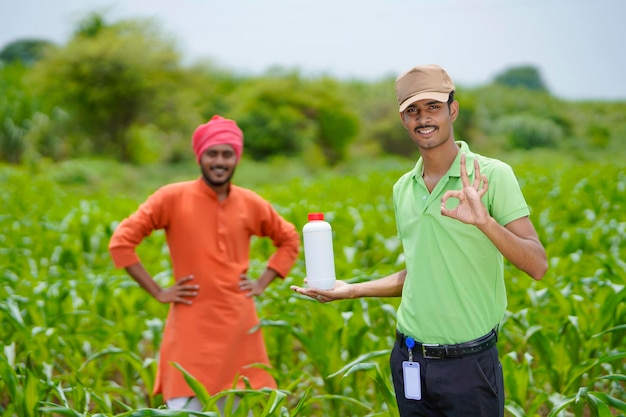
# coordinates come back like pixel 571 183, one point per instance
pixel 429 122
pixel 218 165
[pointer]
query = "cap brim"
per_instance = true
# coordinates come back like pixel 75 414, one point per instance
pixel 433 95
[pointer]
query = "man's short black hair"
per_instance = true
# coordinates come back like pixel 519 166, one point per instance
pixel 450 98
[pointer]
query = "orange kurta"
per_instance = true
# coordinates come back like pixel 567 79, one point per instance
pixel 211 338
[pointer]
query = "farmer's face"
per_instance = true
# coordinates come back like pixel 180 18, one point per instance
pixel 218 164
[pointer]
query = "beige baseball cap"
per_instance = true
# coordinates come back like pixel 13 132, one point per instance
pixel 423 81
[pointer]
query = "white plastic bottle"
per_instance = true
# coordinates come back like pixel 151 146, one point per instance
pixel 318 252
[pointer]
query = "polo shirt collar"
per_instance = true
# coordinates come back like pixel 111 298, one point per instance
pixel 455 168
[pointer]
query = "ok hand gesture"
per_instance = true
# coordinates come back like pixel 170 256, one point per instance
pixel 470 209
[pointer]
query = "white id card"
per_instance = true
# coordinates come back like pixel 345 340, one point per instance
pixel 412 383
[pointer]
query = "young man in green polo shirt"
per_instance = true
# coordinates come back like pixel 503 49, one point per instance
pixel 458 214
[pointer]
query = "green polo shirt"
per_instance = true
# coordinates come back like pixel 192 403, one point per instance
pixel 454 289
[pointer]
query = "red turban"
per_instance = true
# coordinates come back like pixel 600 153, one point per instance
pixel 217 131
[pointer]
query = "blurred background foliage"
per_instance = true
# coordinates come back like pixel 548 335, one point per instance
pixel 120 90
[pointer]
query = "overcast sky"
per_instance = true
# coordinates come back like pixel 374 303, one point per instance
pixel 577 45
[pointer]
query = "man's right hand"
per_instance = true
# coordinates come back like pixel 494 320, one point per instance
pixel 179 292
pixel 341 291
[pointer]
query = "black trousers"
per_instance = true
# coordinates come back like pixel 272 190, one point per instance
pixel 471 386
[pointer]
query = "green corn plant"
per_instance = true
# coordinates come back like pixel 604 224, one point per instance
pixel 383 384
pixel 585 401
pixel 25 383
pixel 271 400
pixel 81 353
pixel 135 372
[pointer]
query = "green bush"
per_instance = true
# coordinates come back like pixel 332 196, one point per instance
pixel 284 115
pixel 17 106
pixel 526 131
pixel 121 77
pixel 598 136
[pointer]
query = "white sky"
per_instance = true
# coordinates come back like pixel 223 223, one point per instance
pixel 576 44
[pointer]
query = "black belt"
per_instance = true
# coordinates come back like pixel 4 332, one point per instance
pixel 434 351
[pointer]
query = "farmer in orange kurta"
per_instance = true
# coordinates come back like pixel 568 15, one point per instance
pixel 208 224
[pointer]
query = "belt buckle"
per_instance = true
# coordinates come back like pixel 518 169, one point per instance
pixel 428 345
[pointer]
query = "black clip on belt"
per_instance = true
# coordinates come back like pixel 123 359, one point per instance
pixel 435 351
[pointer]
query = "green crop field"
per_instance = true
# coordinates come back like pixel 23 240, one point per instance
pixel 79 338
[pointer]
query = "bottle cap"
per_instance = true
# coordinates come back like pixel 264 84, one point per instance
pixel 316 216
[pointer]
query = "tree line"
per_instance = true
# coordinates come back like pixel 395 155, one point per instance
pixel 119 90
